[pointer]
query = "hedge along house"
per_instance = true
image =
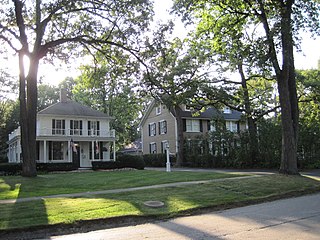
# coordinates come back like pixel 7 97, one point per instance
pixel 69 132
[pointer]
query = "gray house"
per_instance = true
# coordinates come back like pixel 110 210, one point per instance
pixel 159 127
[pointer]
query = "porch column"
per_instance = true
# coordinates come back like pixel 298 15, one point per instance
pixel 114 150
pixel 45 159
pixel 92 152
pixel 69 151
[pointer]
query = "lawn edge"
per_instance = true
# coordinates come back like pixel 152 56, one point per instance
pixel 82 226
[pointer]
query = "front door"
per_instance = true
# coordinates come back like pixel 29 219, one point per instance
pixel 76 156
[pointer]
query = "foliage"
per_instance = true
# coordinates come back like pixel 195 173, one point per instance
pixel 15 168
pixel 109 85
pixel 54 30
pixel 122 161
pixel 158 160
pixel 254 34
pixel 47 95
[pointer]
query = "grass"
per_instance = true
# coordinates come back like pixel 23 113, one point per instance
pixel 178 200
pixel 12 187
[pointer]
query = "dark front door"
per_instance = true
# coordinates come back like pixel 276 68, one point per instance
pixel 76 157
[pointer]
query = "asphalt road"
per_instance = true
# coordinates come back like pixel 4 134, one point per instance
pixel 294 218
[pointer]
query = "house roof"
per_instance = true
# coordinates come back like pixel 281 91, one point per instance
pixel 71 108
pixel 213 112
pixel 208 114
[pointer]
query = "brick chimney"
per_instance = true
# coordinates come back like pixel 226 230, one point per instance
pixel 63 95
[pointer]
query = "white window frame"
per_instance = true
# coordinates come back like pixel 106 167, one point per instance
pixel 232 126
pixel 192 125
pixel 158 109
pixel 153 147
pixel 163 127
pixel 163 145
pixel 153 129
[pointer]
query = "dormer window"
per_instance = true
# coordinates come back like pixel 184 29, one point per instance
pixel 227 110
pixel 158 109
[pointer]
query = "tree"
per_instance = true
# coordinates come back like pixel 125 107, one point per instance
pixel 110 86
pixel 172 76
pixel 278 22
pixel 47 95
pixel 37 30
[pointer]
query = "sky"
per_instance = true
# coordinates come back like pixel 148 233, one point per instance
pixel 306 59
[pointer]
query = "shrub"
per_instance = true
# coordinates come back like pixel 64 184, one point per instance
pixel 131 161
pixel 10 168
pixel 105 165
pixel 155 160
pixel 123 161
pixel 52 167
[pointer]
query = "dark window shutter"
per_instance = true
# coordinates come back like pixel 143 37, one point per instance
pixel 80 127
pixel 184 122
pixel 209 125
pixel 149 126
pixel 89 128
pixel 238 127
pixel 53 126
pixel 63 126
pixel 150 148
pixel 201 127
pixel 71 127
pixel 159 124
pixel 155 129
pixel 98 128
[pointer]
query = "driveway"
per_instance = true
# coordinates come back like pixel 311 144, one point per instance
pixel 295 218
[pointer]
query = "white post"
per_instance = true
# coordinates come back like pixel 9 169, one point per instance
pixel 44 151
pixel 168 158
pixel 114 150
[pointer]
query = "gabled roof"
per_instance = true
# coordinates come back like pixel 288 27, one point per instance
pixel 213 112
pixel 71 108
pixel 208 114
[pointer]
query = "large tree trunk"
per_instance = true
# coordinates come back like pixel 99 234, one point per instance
pixel 288 97
pixel 286 86
pixel 28 113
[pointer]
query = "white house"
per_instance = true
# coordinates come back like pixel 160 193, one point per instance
pixel 69 132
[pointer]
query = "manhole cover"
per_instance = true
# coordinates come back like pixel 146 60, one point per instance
pixel 154 204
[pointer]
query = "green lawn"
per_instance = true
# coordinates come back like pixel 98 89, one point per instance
pixel 177 200
pixel 12 187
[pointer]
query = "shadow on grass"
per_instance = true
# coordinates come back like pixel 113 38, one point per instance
pixel 21 215
pixel 178 201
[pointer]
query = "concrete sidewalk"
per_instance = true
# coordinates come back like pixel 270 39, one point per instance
pixel 82 194
pixel 295 218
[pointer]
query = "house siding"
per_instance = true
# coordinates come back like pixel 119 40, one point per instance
pixel 169 136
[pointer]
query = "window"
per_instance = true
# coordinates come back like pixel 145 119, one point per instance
pixel 163 127
pixel 164 146
pixel 56 150
pixel 58 126
pixel 232 126
pixel 158 109
pixel 152 129
pixel 97 147
pixel 153 147
pixel 227 110
pixel 93 128
pixel 193 125
pixel 75 127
